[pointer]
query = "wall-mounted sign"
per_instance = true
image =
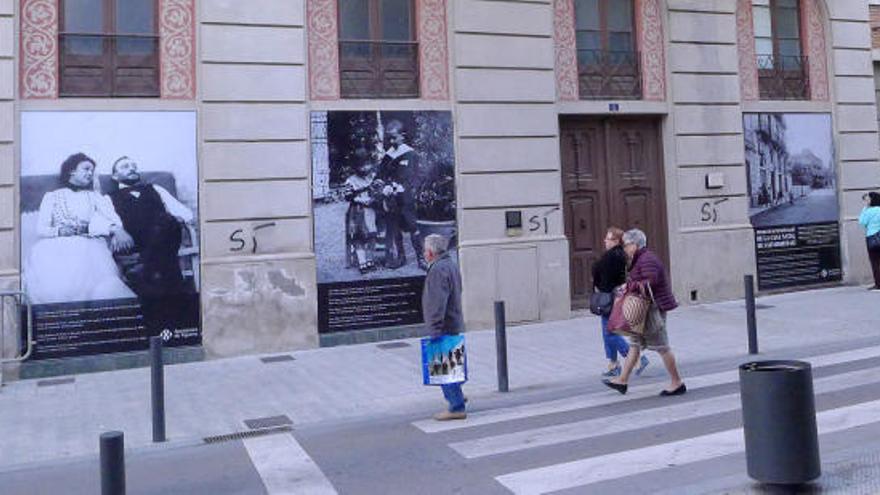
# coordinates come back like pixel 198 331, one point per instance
pixel 382 182
pixel 793 203
pixel 109 230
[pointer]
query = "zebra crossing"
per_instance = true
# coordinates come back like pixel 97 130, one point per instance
pixel 494 434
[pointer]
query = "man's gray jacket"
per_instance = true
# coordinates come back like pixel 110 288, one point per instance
pixel 441 298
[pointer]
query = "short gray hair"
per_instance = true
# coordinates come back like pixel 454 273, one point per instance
pixel 635 236
pixel 437 244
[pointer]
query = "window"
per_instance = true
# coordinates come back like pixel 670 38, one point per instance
pixel 608 63
pixel 782 67
pixel 378 51
pixel 109 48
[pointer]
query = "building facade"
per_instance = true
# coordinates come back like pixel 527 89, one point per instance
pixel 739 134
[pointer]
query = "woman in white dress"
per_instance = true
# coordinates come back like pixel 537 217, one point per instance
pixel 71 261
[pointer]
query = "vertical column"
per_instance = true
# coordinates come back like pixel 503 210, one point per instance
pixel 856 117
pixel 39 48
pixel 748 64
pixel 8 260
pixel 707 139
pixel 566 50
pixel 433 49
pixel 177 26
pixel 508 157
pixel 259 273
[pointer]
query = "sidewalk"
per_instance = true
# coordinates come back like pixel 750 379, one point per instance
pixel 339 383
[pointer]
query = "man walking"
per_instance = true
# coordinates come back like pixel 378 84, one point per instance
pixel 441 306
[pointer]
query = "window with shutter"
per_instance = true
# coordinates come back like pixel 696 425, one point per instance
pixel 109 48
pixel 782 67
pixel 608 62
pixel 378 51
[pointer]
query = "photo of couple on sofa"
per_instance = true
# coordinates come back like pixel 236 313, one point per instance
pixel 101 237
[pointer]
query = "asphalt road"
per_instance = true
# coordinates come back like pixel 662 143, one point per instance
pixel 581 438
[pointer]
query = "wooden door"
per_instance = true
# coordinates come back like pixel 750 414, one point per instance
pixel 612 173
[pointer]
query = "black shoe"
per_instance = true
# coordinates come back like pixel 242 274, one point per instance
pixel 876 287
pixel 620 387
pixel 681 390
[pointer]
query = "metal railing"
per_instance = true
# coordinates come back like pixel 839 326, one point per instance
pixel 604 74
pixel 379 69
pixel 24 352
pixel 783 77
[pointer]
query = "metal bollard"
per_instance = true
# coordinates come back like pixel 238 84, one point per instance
pixel 158 389
pixel 501 346
pixel 751 320
pixel 112 446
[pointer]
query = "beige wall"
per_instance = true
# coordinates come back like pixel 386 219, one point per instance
pixel 255 170
pixel 9 279
pixel 254 157
pixel 858 148
pixel 705 125
pixel 507 152
pixel 711 257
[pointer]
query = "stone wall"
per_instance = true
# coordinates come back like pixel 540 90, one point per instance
pixel 255 171
pixel 508 159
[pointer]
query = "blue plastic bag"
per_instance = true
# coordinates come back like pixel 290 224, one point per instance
pixel 444 360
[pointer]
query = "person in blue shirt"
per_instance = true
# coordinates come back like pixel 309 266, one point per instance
pixel 870 221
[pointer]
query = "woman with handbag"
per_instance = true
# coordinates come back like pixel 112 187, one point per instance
pixel 648 278
pixel 870 221
pixel 609 272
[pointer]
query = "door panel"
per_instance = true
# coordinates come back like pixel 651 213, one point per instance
pixel 612 172
pixel 585 177
pixel 582 217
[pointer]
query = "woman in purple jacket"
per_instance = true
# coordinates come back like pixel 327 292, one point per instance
pixel 647 269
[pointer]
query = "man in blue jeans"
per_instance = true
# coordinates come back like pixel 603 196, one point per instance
pixel 441 307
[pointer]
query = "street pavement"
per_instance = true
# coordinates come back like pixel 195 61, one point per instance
pixel 358 415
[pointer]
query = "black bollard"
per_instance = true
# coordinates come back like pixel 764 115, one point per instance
pixel 501 346
pixel 158 389
pixel 112 447
pixel 751 321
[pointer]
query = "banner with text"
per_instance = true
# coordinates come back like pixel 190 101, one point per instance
pixel 109 219
pixel 793 204
pixel 382 181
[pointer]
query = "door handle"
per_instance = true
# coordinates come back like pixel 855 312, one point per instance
pixel 583 224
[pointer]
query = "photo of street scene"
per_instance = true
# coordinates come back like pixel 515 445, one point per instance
pixel 790 162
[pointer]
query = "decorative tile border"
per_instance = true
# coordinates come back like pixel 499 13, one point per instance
pixel 814 47
pixel 566 50
pixel 748 59
pixel 650 36
pixel 39 49
pixel 323 50
pixel 433 49
pixel 177 51
pixel 39 69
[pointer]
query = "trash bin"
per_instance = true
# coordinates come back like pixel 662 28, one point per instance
pixel 779 421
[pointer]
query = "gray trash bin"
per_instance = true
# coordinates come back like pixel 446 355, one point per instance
pixel 779 421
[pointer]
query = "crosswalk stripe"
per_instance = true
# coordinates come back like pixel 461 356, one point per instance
pixel 627 463
pixel 285 468
pixel 644 418
pixel 501 415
